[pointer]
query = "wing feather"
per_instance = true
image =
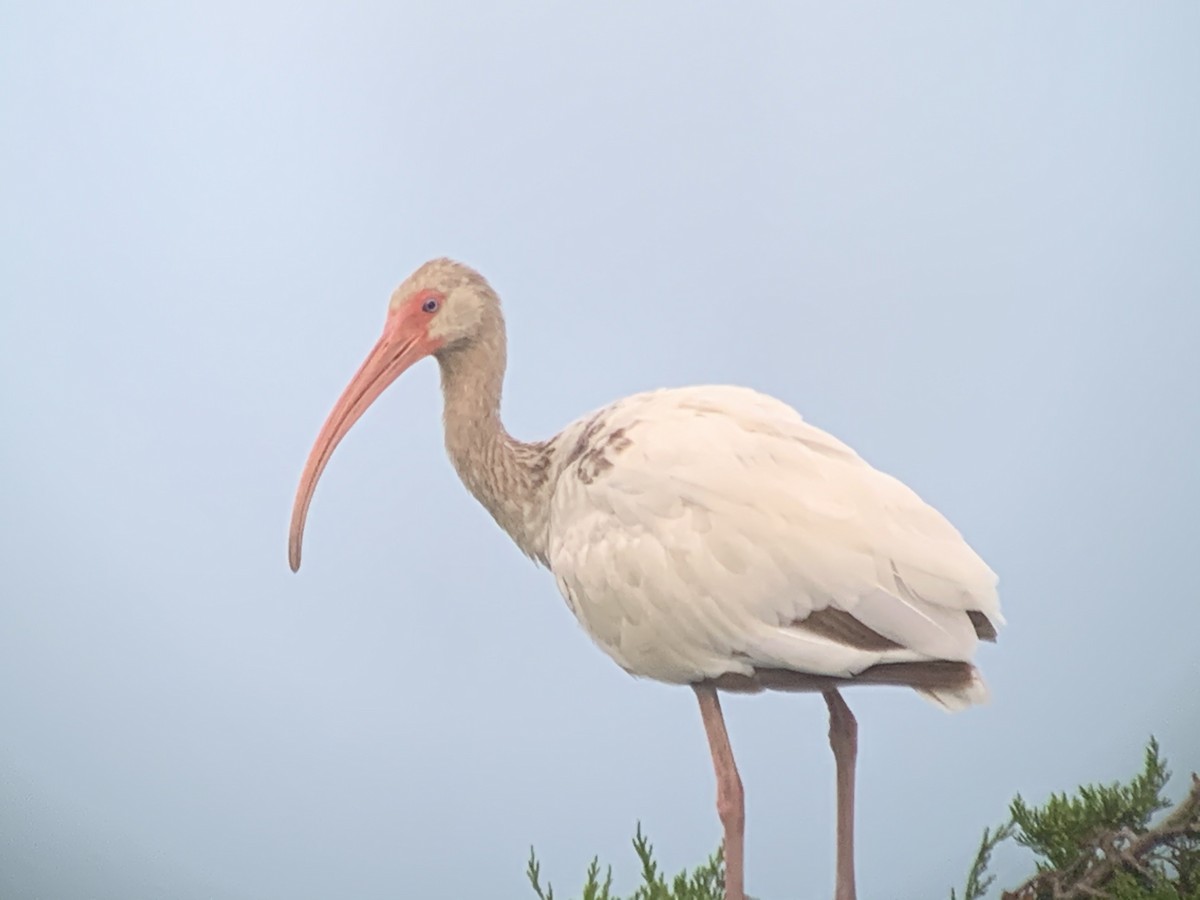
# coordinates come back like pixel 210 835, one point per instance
pixel 726 520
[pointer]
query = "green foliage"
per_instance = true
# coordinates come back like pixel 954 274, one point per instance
pixel 1064 830
pixel 978 881
pixel 1099 843
pixel 1154 886
pixel 1095 843
pixel 706 882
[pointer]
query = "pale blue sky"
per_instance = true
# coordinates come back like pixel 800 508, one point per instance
pixel 963 238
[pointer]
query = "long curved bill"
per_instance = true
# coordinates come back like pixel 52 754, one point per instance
pixel 384 364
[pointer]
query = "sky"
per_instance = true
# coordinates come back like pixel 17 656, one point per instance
pixel 962 238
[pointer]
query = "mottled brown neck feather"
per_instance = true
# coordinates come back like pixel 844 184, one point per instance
pixel 509 477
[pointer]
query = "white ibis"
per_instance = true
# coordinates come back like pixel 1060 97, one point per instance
pixel 705 536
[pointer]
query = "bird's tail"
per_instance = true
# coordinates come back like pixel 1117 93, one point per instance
pixel 955 699
pixel 950 684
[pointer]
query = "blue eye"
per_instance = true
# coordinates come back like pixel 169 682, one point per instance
pixel 430 305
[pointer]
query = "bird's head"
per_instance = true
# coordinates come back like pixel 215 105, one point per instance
pixel 443 304
pixel 441 307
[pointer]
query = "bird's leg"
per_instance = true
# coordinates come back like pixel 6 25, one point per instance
pixel 843 739
pixel 730 804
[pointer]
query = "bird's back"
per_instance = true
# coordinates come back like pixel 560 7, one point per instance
pixel 711 533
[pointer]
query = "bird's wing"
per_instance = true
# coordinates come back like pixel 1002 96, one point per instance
pixel 701 531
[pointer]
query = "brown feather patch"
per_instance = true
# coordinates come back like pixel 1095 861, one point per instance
pixel 984 629
pixel 838 625
pixel 594 426
pixel 595 459
pixel 932 675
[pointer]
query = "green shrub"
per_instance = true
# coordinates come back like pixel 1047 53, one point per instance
pixel 1096 843
pixel 706 882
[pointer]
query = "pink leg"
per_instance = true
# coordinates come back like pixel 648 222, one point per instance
pixel 843 738
pixel 730 804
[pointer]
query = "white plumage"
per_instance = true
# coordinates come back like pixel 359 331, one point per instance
pixel 725 519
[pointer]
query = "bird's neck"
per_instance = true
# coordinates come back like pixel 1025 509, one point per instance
pixel 512 479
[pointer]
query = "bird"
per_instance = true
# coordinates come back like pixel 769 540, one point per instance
pixel 703 536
